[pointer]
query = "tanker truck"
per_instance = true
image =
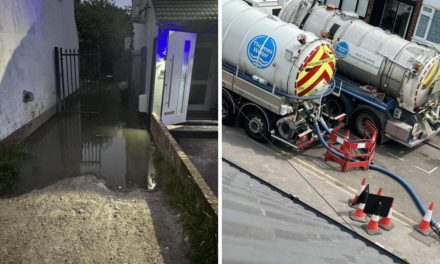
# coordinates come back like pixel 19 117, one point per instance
pixel 381 77
pixel 271 7
pixel 274 75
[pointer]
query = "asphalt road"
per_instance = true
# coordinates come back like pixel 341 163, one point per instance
pixel 419 166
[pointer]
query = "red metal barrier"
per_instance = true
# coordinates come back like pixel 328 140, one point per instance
pixel 360 149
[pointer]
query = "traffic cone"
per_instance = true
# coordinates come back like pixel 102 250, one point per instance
pixel 425 225
pixel 380 191
pixel 372 228
pixel 385 222
pixel 358 215
pixel 359 191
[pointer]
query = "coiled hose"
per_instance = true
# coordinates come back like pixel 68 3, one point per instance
pixel 435 226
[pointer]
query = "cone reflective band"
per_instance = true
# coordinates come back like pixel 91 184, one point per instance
pixel 425 225
pixel 358 215
pixel 386 222
pixel 372 228
pixel 359 191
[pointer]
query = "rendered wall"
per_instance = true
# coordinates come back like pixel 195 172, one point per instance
pixel 144 33
pixel 432 3
pixel 29 30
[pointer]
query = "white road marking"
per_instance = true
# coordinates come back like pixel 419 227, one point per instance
pixel 397 157
pixel 331 181
pixel 429 172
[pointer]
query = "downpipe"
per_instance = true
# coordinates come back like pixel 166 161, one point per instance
pixel 416 199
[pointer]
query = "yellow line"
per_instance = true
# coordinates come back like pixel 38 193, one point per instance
pixel 351 189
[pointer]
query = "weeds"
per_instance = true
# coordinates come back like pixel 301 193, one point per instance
pixel 198 221
pixel 10 156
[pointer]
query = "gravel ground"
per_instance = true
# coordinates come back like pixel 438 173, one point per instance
pixel 79 220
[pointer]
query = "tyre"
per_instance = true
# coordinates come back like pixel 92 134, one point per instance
pixel 256 125
pixel 228 117
pixel 334 106
pixel 359 119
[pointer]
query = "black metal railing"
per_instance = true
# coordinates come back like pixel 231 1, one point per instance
pixel 76 73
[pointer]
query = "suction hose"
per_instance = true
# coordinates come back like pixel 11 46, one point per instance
pixel 400 180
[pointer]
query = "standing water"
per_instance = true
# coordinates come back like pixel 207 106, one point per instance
pixel 110 142
pixel 69 203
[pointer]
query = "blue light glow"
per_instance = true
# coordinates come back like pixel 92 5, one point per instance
pixel 162 43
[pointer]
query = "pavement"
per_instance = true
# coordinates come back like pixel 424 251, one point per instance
pixel 312 180
pixel 200 143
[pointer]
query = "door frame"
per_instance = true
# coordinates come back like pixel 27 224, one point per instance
pixel 209 84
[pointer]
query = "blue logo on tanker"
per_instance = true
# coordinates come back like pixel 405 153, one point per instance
pixel 342 49
pixel 261 51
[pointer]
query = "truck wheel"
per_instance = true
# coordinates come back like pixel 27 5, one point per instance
pixel 228 117
pixel 360 117
pixel 255 125
pixel 334 106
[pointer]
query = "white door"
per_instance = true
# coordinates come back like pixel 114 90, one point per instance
pixel 178 71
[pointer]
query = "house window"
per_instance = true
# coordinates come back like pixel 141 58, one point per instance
pixel 428 26
pixel 357 6
pixel 396 17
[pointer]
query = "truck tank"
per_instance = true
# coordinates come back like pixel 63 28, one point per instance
pixel 293 62
pixel 403 70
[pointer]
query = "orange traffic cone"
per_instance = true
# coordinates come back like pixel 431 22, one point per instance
pixel 359 191
pixel 372 228
pixel 380 191
pixel 425 225
pixel 385 222
pixel 358 215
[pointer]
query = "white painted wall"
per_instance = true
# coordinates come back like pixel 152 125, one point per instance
pixel 144 35
pixel 29 29
pixel 140 36
pixel 432 3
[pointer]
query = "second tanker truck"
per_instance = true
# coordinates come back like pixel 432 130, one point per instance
pixel 274 75
pixel 381 77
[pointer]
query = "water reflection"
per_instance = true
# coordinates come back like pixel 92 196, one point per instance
pixel 112 145
pixel 152 178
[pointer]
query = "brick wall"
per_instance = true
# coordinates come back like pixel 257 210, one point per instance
pixel 413 22
pixel 369 10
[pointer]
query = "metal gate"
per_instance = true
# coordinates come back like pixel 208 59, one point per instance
pixel 77 77
pixel 138 75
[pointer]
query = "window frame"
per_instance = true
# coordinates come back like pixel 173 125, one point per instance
pixel 430 15
pixel 356 6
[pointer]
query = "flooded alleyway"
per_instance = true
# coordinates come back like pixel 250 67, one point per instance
pixel 83 194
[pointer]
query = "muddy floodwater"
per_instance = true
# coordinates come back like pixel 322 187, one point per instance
pixel 108 140
pixel 88 192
